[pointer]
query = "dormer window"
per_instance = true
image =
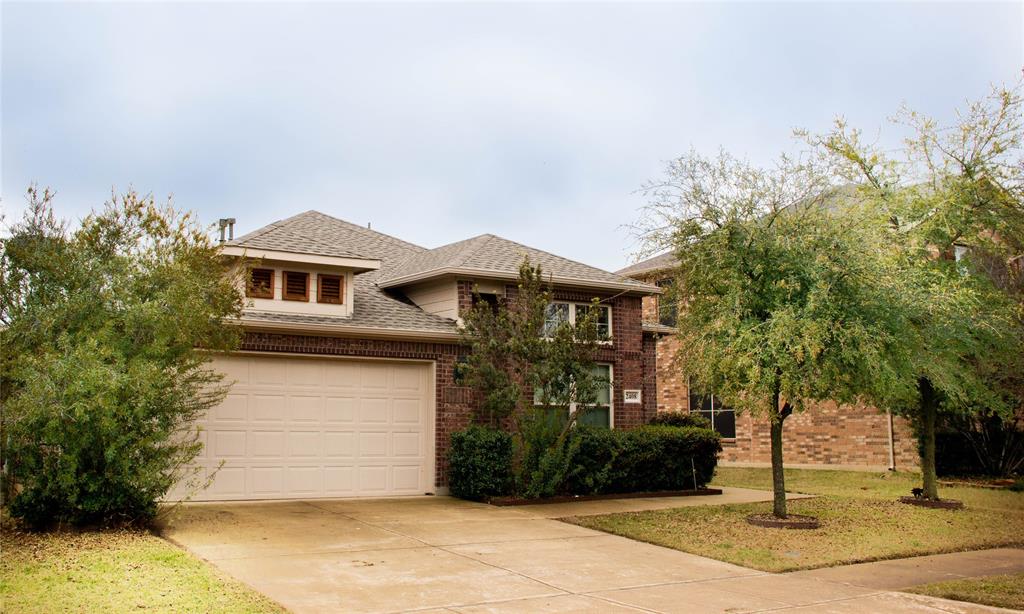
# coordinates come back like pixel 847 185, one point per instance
pixel 329 289
pixel 296 286
pixel 260 283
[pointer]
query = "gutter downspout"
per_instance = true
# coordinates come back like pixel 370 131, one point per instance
pixel 892 442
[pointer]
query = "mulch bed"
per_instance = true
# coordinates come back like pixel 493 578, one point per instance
pixel 791 521
pixel 506 501
pixel 938 504
pixel 993 483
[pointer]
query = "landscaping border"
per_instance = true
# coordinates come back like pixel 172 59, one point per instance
pixel 510 501
pixel 941 504
pixel 791 521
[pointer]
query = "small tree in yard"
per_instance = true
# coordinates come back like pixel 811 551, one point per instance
pixel 953 212
pixel 783 303
pixel 107 334
pixel 528 367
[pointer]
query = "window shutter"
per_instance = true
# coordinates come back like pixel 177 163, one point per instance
pixel 330 289
pixel 296 286
pixel 261 283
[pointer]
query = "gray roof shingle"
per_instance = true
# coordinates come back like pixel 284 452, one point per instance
pixel 492 255
pixel 657 327
pixel 660 262
pixel 316 233
pixel 373 308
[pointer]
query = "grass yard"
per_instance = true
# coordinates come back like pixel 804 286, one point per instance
pixel 861 521
pixel 865 485
pixel 124 571
pixel 998 591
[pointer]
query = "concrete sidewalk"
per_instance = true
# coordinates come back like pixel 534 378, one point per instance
pixel 905 573
pixel 729 495
pixel 437 554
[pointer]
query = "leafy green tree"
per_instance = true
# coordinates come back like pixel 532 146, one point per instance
pixel 783 302
pixel 528 368
pixel 952 208
pixel 108 331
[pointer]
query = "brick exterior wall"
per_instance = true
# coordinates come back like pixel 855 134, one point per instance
pixel 824 434
pixel 631 356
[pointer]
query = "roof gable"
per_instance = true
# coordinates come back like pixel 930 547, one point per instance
pixel 316 233
pixel 492 256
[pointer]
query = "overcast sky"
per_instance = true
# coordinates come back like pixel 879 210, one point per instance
pixel 437 122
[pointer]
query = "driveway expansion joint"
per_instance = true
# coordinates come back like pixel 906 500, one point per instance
pixel 522 565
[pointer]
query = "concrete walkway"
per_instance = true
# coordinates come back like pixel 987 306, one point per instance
pixel 904 573
pixel 437 554
pixel 643 504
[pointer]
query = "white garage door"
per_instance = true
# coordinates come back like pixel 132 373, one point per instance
pixel 303 428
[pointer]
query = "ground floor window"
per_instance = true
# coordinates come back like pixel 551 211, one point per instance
pixel 723 419
pixel 598 414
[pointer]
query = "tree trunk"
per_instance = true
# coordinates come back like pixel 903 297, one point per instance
pixel 929 410
pixel 778 476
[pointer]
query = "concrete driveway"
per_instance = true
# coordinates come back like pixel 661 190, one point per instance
pixel 438 554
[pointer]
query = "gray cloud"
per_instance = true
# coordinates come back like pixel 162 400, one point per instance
pixel 437 122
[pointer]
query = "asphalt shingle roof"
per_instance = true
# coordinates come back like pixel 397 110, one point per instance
pixel 373 308
pixel 657 327
pixel 657 263
pixel 316 233
pixel 490 254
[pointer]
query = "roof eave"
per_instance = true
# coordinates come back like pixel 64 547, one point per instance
pixel 406 280
pixel 357 264
pixel 333 330
pixel 645 272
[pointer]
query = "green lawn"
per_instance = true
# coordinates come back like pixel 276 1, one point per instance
pixel 866 485
pixel 861 521
pixel 999 591
pixel 123 571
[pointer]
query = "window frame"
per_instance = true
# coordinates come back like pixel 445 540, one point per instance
pixel 672 309
pixel 319 289
pixel 689 402
pixel 285 295
pixel 572 316
pixel 250 293
pixel 573 406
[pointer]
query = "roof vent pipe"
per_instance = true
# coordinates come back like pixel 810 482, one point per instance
pixel 229 224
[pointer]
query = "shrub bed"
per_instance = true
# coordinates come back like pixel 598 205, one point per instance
pixel 597 461
pixel 678 418
pixel 480 463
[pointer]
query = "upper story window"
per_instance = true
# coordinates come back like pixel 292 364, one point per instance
pixel 330 289
pixel 296 286
pixel 260 283
pixel 668 303
pixel 487 298
pixel 558 313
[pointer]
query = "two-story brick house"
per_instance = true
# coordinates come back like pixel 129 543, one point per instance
pixel 344 383
pixel 825 434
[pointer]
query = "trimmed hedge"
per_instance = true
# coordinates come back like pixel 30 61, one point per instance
pixel 597 460
pixel 646 459
pixel 480 463
pixel 678 418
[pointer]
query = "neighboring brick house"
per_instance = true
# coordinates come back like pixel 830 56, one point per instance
pixel 344 384
pixel 824 434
